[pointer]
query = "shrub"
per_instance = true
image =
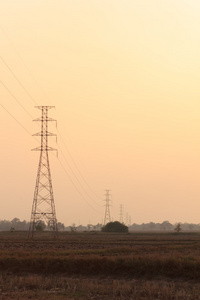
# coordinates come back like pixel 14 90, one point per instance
pixel 178 227
pixel 40 225
pixel 114 227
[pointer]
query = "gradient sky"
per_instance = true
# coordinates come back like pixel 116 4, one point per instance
pixel 124 77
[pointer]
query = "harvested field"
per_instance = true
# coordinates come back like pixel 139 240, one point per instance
pixel 94 265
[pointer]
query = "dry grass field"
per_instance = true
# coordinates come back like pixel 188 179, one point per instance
pixel 94 265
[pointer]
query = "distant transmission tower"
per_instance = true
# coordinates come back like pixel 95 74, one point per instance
pixel 127 224
pixel 121 214
pixel 43 208
pixel 107 217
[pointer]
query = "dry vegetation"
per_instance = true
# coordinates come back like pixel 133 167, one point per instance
pixel 100 266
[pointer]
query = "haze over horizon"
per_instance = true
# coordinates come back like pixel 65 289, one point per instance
pixel 124 78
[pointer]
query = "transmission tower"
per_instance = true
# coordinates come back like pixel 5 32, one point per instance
pixel 43 208
pixel 121 214
pixel 107 217
pixel 127 223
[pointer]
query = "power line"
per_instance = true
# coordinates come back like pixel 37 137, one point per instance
pixel 15 98
pixel 76 186
pixel 15 119
pixel 81 185
pixel 30 73
pixel 75 164
pixel 18 80
pixel 74 174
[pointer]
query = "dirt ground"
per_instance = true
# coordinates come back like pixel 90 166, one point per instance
pixel 150 249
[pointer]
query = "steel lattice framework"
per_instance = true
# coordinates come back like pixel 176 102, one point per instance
pixel 121 214
pixel 107 217
pixel 43 208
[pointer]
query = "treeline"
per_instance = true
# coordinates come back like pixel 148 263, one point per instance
pixel 164 226
pixel 16 224
pixel 151 226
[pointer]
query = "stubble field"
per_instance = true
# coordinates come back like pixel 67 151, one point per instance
pixel 94 265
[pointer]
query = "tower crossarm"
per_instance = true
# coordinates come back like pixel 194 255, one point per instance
pixel 44 134
pixel 44 107
pixel 44 149
pixel 47 119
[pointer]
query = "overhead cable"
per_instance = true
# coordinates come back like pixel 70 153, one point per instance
pixel 3 60
pixel 77 179
pixel 15 119
pixel 30 73
pixel 82 196
pixel 15 98
pixel 77 167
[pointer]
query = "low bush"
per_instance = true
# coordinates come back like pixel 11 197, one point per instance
pixel 114 227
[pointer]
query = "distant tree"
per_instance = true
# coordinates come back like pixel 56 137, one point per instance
pixel 135 226
pixel 151 226
pixel 15 220
pixel 98 227
pixel 89 227
pixel 166 226
pixel 60 226
pixel 73 227
pixel 40 225
pixel 178 227
pixel 19 225
pixel 81 228
pixel 114 227
pixel 15 223
pixel 191 226
pixel 5 225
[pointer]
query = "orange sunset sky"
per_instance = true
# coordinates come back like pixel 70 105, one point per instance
pixel 124 77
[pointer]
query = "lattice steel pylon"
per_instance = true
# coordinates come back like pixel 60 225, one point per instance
pixel 43 208
pixel 107 217
pixel 121 214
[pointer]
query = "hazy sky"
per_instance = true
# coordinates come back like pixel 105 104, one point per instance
pixel 124 77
